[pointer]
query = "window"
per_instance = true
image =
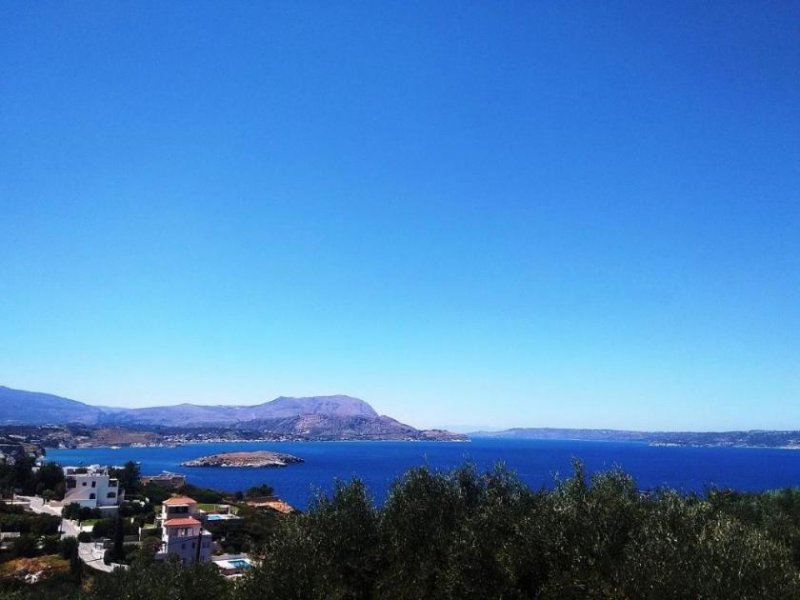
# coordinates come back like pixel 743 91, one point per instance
pixel 71 483
pixel 92 496
pixel 83 483
pixel 94 484
pixel 111 495
pixel 183 546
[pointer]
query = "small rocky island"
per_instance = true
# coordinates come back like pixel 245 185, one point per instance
pixel 259 459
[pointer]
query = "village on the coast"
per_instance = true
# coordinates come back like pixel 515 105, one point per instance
pixel 112 524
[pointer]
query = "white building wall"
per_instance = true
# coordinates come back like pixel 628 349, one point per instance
pixel 183 543
pixel 92 489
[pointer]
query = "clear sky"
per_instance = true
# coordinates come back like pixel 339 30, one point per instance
pixel 467 213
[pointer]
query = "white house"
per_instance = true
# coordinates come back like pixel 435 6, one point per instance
pixel 182 535
pixel 92 487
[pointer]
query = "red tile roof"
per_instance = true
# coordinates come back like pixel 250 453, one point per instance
pixel 179 501
pixel 183 522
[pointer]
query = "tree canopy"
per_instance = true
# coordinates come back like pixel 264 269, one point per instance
pixel 466 534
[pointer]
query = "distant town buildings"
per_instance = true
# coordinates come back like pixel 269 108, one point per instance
pixel 92 487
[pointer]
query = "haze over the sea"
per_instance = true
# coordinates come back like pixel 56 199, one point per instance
pixel 501 214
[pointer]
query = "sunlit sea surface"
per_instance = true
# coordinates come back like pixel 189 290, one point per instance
pixel 536 462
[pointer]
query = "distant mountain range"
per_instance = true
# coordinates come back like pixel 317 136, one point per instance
pixel 328 418
pixel 318 417
pixel 35 408
pixel 753 438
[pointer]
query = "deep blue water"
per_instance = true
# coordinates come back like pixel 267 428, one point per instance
pixel 535 461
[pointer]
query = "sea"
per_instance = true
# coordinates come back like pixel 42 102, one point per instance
pixel 537 462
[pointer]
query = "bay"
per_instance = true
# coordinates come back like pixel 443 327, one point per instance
pixel 537 462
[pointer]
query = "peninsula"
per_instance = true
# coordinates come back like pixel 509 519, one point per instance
pixel 258 459
pixel 318 418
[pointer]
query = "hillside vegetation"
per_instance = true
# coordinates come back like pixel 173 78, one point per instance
pixel 464 534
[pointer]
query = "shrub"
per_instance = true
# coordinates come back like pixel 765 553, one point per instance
pixel 26 546
pixel 51 544
pixel 71 511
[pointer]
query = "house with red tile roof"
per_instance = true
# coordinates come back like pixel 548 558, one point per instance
pixel 182 534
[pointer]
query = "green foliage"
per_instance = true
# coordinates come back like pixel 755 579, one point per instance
pixel 6 508
pixel 60 587
pixel 329 554
pixel 684 549
pixel 129 509
pixel 50 478
pixel 249 534
pixel 47 479
pixel 128 477
pixel 259 490
pixel 34 524
pixel 152 532
pixel 26 546
pixel 69 545
pixel 112 526
pixel 71 511
pixel 466 534
pixel 155 493
pixel 163 581
pixel 51 544
pixel 118 537
pixel 201 495
pixel 470 535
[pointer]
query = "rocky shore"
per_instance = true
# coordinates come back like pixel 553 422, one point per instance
pixel 257 459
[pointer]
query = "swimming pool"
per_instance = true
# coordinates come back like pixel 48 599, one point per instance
pixel 240 563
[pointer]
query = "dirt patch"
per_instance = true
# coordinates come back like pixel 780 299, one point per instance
pixel 32 570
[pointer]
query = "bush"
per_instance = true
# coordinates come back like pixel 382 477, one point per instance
pixel 260 490
pixel 69 546
pixel 164 581
pixel 475 535
pixel 151 532
pixel 129 509
pixel 71 511
pixel 87 513
pixel 465 534
pixel 14 509
pixel 155 493
pixel 37 525
pixel 76 512
pixel 45 524
pixel 51 544
pixel 103 528
pixel 15 522
pixel 26 546
pixel 202 495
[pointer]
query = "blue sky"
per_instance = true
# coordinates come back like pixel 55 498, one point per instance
pixel 538 214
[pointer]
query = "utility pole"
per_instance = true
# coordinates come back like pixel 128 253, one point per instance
pixel 199 541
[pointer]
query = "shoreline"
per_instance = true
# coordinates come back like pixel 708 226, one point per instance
pixel 383 441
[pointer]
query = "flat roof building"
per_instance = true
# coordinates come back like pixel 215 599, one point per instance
pixel 92 487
